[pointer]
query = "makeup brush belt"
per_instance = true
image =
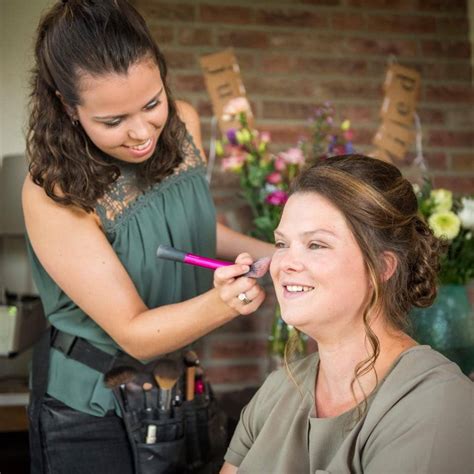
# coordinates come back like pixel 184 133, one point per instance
pixel 84 352
pixel 168 432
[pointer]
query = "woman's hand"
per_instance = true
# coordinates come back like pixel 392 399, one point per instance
pixel 241 293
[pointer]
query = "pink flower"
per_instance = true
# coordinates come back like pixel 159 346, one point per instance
pixel 293 156
pixel 265 137
pixel 233 163
pixel 280 164
pixel 277 198
pixel 274 178
pixel 348 135
pixel 236 106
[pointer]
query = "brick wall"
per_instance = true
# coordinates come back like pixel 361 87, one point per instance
pixel 296 54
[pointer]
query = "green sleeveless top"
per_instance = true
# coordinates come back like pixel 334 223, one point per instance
pixel 178 211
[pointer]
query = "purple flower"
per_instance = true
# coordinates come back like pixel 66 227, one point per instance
pixel 277 198
pixel 232 136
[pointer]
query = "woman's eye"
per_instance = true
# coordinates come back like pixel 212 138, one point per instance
pixel 279 245
pixel 315 246
pixel 113 123
pixel 152 105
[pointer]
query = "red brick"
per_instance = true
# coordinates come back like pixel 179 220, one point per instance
pixel 244 39
pixel 359 113
pixel 458 93
pixel 450 139
pixel 448 49
pixel 455 183
pixel 431 116
pixel 204 108
pixel 331 66
pixel 187 83
pixel 282 133
pixel 238 349
pixel 309 41
pixel 459 71
pixel 244 373
pixel 165 10
pixel 463 162
pixel 348 21
pixel 278 63
pixel 343 89
pixel 286 110
pixel 436 160
pixel 443 6
pixel 179 59
pixel 162 34
pixel 383 4
pixel 458 26
pixel 460 117
pixel 382 46
pixel 188 36
pixel 290 17
pixel 402 24
pixel 225 14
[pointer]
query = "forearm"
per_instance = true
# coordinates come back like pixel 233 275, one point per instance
pixel 162 330
pixel 231 243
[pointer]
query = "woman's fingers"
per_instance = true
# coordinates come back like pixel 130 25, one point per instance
pixel 226 275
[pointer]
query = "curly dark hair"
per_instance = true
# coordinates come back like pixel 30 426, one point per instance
pixel 95 37
pixel 381 209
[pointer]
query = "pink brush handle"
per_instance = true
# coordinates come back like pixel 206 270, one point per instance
pixel 192 259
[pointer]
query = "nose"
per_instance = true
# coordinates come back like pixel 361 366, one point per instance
pixel 291 260
pixel 139 129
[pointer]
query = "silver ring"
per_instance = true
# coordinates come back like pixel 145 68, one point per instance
pixel 243 297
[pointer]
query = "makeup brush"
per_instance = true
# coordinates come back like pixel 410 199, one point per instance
pixel 120 377
pixel 191 361
pixel 257 269
pixel 166 373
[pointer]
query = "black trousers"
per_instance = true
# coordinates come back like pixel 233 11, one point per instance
pixel 73 442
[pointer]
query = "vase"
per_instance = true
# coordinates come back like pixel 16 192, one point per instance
pixel 448 326
pixel 280 334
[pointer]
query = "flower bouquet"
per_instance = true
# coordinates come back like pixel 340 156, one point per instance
pixel 264 177
pixel 448 325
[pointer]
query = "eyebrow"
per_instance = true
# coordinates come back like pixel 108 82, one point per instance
pixel 309 233
pixel 108 117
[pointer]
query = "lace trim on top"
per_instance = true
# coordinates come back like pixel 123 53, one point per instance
pixel 126 194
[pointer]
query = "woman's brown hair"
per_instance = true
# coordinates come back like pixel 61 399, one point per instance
pixel 95 37
pixel 381 209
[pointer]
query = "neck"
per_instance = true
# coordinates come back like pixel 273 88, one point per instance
pixel 339 358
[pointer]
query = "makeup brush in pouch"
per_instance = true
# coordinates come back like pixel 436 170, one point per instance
pixel 166 373
pixel 257 269
pixel 191 361
pixel 117 379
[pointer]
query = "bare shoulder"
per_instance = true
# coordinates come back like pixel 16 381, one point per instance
pixel 188 114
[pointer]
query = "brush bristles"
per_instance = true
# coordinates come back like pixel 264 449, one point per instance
pixel 166 372
pixel 191 359
pixel 119 375
pixel 259 268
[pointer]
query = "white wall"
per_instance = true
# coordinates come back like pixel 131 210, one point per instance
pixel 18 23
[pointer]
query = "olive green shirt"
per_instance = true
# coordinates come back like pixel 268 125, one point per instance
pixel 419 420
pixel 179 212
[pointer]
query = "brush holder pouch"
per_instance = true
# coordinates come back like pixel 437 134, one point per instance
pixel 189 439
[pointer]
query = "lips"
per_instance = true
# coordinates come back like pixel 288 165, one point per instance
pixel 142 149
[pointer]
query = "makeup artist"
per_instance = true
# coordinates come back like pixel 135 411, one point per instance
pixel 116 168
pixel 371 400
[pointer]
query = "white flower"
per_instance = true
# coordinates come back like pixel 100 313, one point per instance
pixel 442 199
pixel 445 224
pixel 467 213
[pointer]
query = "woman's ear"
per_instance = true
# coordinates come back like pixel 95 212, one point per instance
pixel 69 110
pixel 390 263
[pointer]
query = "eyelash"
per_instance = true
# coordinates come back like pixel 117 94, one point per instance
pixel 149 107
pixel 311 245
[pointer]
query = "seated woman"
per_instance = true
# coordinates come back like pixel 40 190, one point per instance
pixel 352 257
